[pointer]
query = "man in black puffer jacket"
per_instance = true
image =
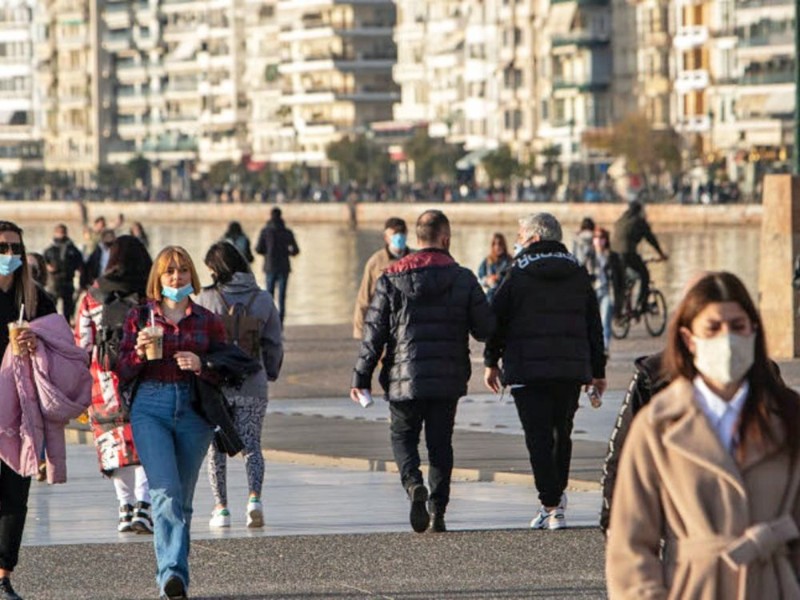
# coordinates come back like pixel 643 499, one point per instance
pixel 550 339
pixel 424 308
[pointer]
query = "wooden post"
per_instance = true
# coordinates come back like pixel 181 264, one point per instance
pixel 780 244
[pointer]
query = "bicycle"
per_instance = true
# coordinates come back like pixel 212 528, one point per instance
pixel 655 313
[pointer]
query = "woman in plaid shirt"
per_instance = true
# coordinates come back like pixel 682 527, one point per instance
pixel 170 436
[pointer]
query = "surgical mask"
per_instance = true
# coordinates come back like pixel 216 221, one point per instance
pixel 724 358
pixel 177 294
pixel 9 263
pixel 398 241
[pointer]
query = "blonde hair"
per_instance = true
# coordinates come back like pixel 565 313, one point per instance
pixel 180 257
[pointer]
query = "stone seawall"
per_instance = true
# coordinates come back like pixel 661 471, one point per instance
pixel 372 214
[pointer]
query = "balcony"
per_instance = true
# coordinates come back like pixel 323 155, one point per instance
pixel 581 38
pixel 768 76
pixel 782 38
pixel 583 2
pixel 563 83
pixel 116 41
pixel 690 36
pixel 694 123
pixel 697 79
pixel 183 145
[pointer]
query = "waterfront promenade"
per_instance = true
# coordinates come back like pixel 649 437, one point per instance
pixel 336 519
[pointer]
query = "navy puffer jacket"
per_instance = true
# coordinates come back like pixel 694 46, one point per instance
pixel 424 309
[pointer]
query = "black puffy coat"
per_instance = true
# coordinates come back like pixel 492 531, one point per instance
pixel 424 308
pixel 276 242
pixel 548 321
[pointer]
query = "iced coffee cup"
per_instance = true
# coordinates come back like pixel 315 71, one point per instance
pixel 14 329
pixel 155 349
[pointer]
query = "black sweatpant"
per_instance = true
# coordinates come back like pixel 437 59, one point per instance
pixel 439 417
pixel 547 410
pixel 13 509
pixel 635 263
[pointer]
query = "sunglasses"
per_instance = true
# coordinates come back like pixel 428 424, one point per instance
pixel 14 247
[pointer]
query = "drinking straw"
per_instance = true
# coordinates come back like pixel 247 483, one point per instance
pixel 21 314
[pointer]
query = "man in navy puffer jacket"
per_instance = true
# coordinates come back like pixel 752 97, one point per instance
pixel 424 309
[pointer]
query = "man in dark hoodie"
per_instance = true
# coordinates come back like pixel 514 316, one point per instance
pixel 276 242
pixel 63 259
pixel 550 338
pixel 424 309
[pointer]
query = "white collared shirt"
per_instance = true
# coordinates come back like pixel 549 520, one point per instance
pixel 722 415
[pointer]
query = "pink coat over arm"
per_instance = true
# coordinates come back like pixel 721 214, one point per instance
pixel 39 398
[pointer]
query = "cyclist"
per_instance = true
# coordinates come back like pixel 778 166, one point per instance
pixel 629 230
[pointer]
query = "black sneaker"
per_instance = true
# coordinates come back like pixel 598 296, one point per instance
pixel 6 591
pixel 125 518
pixel 174 589
pixel 142 522
pixel 418 494
pixel 437 524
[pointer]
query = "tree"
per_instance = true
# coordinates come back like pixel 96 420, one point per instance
pixel 111 176
pixel 360 159
pixel 648 152
pixel 501 165
pixel 139 167
pixel 220 173
pixel 432 157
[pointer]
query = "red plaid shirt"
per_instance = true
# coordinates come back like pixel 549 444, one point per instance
pixel 194 333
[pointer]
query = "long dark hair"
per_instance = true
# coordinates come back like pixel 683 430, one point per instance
pixel 234 230
pixel 129 261
pixel 24 285
pixel 224 259
pixel 768 394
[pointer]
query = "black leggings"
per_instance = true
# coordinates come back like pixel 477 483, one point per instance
pixel 13 509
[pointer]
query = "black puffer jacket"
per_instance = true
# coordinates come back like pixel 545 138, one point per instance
pixel 548 322
pixel 424 309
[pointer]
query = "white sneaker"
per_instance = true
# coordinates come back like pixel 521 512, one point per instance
pixel 545 519
pixel 220 517
pixel 562 503
pixel 255 514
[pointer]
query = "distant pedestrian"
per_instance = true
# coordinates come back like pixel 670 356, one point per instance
pixel 395 238
pixel 236 295
pixel 16 288
pixel 550 340
pixel 582 245
pixel 98 330
pixel 708 488
pixel 97 261
pixel 277 244
pixel 604 267
pixel 38 268
pixel 137 230
pixel 63 260
pixel 170 435
pixel 237 237
pixel 419 322
pixel 494 266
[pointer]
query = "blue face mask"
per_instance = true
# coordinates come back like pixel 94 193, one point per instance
pixel 398 241
pixel 177 294
pixel 9 263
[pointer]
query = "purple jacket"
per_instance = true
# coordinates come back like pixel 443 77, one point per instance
pixel 42 395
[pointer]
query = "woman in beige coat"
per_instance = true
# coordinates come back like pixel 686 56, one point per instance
pixel 710 469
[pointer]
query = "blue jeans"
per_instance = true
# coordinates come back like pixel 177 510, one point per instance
pixel 606 314
pixel 281 279
pixel 172 440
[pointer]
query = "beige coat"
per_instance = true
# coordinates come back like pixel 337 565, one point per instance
pixel 376 265
pixel 729 528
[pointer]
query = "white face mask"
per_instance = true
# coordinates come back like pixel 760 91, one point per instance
pixel 724 358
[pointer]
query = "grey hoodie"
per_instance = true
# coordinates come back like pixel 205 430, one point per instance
pixel 239 290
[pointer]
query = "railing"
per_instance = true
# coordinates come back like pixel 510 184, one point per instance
pixel 581 37
pixel 770 77
pixel 769 39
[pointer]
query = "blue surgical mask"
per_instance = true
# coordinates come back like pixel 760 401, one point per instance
pixel 177 294
pixel 9 263
pixel 398 241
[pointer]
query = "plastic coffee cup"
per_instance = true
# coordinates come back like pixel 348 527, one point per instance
pixel 365 398
pixel 14 329
pixel 155 349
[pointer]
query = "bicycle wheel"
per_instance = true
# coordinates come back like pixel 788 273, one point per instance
pixel 620 326
pixel 655 317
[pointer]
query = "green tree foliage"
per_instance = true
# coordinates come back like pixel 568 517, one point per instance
pixel 433 157
pixel 501 165
pixel 360 159
pixel 28 178
pixel 220 173
pixel 110 176
pixel 648 152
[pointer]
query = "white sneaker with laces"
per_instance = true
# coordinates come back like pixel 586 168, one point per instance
pixel 220 517
pixel 557 519
pixel 255 514
pixel 540 520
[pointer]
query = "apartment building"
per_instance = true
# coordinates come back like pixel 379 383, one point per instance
pixel 654 25
pixel 20 134
pixel 336 60
pixel 72 82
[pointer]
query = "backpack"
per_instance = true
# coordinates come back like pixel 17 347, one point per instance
pixel 116 307
pixel 241 329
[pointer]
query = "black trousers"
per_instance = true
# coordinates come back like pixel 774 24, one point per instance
pixel 635 263
pixel 13 510
pixel 547 410
pixel 438 417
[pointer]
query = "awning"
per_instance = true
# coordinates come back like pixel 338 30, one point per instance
pixel 472 160
pixel 559 21
pixel 779 104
